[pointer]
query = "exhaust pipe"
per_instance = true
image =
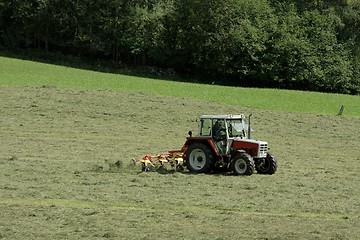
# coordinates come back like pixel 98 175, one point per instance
pixel 249 127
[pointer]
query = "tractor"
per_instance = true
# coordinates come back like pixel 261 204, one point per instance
pixel 224 144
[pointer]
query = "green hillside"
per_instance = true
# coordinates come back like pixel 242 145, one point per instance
pixel 16 72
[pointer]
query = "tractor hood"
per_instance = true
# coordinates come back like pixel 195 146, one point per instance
pixel 255 148
pixel 249 140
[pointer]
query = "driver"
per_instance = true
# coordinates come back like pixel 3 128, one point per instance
pixel 218 131
pixel 219 134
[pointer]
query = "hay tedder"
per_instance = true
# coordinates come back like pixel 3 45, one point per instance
pixel 174 158
pixel 223 144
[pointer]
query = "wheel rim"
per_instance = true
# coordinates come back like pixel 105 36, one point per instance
pixel 240 166
pixel 197 159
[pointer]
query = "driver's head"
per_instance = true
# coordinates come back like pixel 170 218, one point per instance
pixel 218 123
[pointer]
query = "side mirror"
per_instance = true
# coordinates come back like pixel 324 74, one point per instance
pixel 190 133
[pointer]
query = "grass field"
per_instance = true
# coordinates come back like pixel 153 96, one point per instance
pixel 63 130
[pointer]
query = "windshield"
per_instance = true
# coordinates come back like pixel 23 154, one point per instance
pixel 236 128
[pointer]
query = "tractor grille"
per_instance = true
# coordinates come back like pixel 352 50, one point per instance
pixel 263 150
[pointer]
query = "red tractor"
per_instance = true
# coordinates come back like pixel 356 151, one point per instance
pixel 224 144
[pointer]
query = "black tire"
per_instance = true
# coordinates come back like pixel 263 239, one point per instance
pixel 242 164
pixel 199 158
pixel 266 165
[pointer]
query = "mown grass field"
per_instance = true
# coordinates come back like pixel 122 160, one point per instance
pixel 62 131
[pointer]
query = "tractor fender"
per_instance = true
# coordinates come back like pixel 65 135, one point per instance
pixel 238 151
pixel 205 140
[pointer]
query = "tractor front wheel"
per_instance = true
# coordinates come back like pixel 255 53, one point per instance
pixel 266 165
pixel 199 158
pixel 242 164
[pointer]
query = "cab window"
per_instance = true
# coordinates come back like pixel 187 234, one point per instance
pixel 205 127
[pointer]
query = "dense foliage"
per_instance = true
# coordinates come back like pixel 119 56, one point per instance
pixel 274 43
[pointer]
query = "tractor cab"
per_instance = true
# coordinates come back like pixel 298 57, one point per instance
pixel 223 129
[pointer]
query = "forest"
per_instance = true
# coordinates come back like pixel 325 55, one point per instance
pixel 309 45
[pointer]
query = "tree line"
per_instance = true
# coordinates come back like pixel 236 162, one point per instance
pixel 293 44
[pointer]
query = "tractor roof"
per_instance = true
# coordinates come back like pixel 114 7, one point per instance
pixel 228 116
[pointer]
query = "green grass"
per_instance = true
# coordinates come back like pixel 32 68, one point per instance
pixel 16 72
pixel 58 180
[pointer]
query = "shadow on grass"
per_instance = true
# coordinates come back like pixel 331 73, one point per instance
pixel 96 64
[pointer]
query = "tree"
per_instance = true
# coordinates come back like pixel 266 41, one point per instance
pixel 220 38
pixel 144 29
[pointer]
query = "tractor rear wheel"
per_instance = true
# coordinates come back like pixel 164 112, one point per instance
pixel 242 164
pixel 199 158
pixel 266 165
